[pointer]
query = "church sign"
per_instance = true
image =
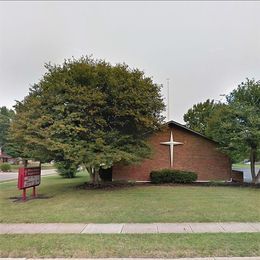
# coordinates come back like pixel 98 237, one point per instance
pixel 29 177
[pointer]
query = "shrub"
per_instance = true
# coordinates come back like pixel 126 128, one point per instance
pixel 67 169
pixel 172 176
pixel 5 167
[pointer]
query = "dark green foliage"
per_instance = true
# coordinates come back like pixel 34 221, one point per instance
pixel 172 176
pixel 5 167
pixel 67 169
pixel 89 112
pixel 184 177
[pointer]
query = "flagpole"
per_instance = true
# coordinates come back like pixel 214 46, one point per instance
pixel 168 99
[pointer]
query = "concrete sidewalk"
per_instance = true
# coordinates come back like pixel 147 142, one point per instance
pixel 196 258
pixel 129 228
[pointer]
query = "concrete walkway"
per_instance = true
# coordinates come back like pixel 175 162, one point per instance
pixel 196 258
pixel 129 228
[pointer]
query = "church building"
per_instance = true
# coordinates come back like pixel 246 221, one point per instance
pixel 178 147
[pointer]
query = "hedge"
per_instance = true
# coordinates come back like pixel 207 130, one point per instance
pixel 172 176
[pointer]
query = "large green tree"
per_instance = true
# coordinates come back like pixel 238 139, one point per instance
pixel 6 116
pixel 236 126
pixel 89 112
pixel 198 116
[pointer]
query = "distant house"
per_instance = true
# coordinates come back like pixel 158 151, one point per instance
pixel 178 147
pixel 4 158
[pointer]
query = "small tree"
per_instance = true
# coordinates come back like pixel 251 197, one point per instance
pixel 88 112
pixel 236 126
pixel 67 169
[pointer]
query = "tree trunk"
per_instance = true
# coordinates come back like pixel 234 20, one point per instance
pixel 257 178
pixel 91 173
pixel 25 163
pixel 252 164
pixel 96 176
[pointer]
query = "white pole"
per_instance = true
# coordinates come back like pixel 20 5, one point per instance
pixel 168 99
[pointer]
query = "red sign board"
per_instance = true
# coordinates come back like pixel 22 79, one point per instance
pixel 29 177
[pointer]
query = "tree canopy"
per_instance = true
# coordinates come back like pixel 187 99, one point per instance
pixel 6 116
pixel 89 112
pixel 198 116
pixel 236 126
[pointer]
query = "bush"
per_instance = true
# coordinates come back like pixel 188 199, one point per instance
pixel 5 167
pixel 172 176
pixel 67 169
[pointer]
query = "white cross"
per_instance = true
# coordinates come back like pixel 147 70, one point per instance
pixel 171 143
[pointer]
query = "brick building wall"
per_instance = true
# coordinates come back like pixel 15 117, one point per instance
pixel 197 154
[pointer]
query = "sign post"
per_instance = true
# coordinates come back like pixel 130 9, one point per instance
pixel 29 177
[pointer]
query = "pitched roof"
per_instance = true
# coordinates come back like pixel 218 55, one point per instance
pixel 3 155
pixel 171 122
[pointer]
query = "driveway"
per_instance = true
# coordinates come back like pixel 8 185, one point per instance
pixel 7 176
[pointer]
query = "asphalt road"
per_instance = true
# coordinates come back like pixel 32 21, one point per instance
pixel 7 176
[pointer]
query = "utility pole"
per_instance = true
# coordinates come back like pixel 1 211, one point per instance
pixel 168 99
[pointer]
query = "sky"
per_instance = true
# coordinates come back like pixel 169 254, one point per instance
pixel 205 49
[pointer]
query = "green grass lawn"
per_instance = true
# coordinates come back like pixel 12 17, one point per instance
pixel 245 166
pixel 130 245
pixel 143 204
pixel 240 165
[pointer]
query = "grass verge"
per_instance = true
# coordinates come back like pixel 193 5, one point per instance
pixel 130 245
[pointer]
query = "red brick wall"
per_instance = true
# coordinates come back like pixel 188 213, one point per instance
pixel 196 154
